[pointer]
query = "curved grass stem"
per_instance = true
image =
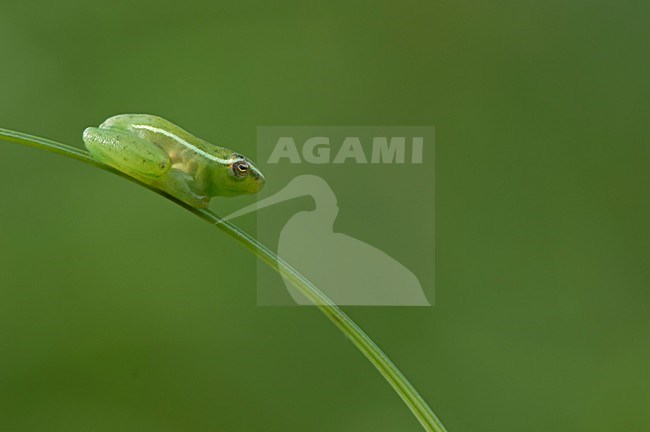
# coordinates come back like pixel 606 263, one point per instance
pixel 386 367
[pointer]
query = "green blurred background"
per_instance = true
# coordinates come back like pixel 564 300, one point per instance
pixel 120 311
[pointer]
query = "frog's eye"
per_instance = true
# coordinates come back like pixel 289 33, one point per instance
pixel 240 168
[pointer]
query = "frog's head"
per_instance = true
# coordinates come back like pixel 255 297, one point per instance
pixel 238 176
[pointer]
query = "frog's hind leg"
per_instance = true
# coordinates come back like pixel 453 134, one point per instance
pixel 127 153
pixel 142 160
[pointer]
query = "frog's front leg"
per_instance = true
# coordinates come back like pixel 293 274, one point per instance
pixel 128 153
pixel 177 183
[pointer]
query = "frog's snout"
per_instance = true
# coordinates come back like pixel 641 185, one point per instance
pixel 259 180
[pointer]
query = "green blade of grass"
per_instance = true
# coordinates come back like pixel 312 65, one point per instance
pixel 386 367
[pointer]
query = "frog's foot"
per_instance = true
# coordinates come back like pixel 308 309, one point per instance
pixel 196 201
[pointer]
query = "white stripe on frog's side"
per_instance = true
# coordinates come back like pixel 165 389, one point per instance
pixel 186 144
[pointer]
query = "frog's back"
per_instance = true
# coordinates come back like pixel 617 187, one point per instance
pixel 175 141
